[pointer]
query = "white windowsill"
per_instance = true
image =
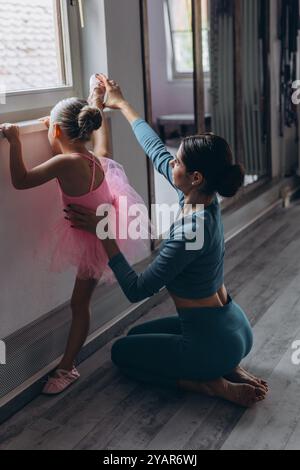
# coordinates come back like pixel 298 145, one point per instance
pixel 40 91
pixel 30 127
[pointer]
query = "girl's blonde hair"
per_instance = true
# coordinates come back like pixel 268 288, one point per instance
pixel 77 118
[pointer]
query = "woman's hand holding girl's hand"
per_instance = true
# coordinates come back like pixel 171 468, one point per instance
pixel 11 132
pixel 115 98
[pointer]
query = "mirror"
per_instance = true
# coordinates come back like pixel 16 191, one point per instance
pixel 170 75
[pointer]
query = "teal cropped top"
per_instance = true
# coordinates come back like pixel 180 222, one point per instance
pixel 186 272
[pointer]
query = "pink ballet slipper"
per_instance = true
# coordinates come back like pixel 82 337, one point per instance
pixel 62 380
pixel 95 84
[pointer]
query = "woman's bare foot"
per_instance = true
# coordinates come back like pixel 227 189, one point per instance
pixel 242 376
pixel 244 395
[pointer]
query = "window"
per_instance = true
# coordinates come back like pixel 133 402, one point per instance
pixel 180 37
pixel 32 49
pixel 205 36
pixel 35 53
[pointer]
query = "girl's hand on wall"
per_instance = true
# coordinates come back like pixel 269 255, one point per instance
pixel 11 132
pixel 46 121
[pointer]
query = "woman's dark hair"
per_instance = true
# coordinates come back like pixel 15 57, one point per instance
pixel 77 119
pixel 211 156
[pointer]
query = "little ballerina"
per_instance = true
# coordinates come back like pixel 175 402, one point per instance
pixel 87 180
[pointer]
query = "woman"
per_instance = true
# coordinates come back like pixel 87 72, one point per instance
pixel 200 349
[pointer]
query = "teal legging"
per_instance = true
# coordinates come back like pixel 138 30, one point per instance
pixel 199 344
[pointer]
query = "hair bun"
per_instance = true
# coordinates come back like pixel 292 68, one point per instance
pixel 89 120
pixel 231 180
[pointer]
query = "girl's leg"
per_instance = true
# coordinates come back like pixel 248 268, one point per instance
pixel 80 304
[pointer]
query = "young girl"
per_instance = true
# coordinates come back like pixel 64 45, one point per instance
pixel 88 181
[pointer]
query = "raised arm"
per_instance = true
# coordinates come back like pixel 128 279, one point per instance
pixel 147 138
pixel 154 148
pixel 100 138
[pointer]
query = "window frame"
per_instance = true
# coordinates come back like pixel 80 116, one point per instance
pixel 20 104
pixel 173 73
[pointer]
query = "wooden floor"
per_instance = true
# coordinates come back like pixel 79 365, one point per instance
pixel 105 410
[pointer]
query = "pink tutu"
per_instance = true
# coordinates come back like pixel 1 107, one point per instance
pixel 68 247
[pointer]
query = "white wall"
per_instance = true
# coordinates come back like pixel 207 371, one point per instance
pixel 93 41
pixel 28 290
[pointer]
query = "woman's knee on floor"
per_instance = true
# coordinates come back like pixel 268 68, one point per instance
pixel 129 352
pixel 135 330
pixel 118 352
pixel 157 353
